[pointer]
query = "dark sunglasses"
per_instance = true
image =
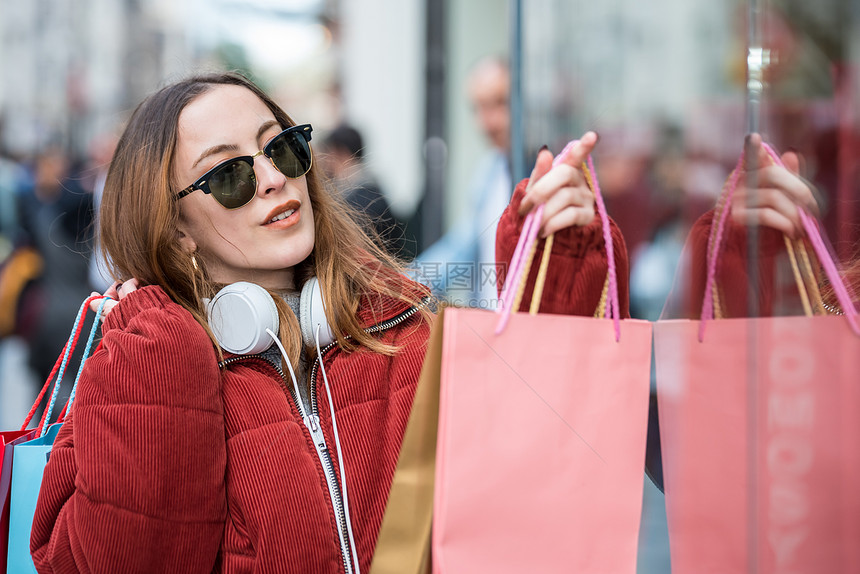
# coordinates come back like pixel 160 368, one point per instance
pixel 233 182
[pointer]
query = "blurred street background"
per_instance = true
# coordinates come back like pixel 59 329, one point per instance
pixel 663 82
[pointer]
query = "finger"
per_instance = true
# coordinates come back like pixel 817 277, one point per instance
pixel 766 217
pixel 755 155
pixel 773 199
pixel 570 196
pixel 112 290
pixel 109 305
pixel 94 304
pixel 567 217
pixel 793 186
pixel 127 288
pixel 561 176
pixel 581 150
pixel 543 164
pixel 791 161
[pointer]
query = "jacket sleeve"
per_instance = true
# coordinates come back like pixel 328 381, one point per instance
pixel 732 273
pixel 577 267
pixel 136 479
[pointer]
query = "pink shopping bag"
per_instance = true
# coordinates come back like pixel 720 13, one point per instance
pixel 760 428
pixel 761 444
pixel 541 438
pixel 541 444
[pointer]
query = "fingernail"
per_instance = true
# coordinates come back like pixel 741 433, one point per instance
pixel 543 147
pixel 597 134
pixel 791 149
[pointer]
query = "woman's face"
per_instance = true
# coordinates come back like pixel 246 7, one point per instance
pixel 243 244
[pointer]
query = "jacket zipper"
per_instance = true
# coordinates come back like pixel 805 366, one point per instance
pixel 325 454
pixel 312 423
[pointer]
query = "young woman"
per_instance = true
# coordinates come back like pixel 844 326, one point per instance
pixel 180 457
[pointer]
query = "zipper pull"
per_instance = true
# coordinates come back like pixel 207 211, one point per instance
pixel 313 424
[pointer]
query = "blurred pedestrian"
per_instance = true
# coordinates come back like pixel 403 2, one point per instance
pixel 20 263
pixel 56 215
pixel 343 159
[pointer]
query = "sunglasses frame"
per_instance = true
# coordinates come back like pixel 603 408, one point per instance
pixel 203 182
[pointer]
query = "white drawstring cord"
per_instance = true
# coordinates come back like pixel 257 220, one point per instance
pixel 339 456
pixel 292 372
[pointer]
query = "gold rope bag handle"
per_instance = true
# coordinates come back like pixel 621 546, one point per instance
pixel 807 282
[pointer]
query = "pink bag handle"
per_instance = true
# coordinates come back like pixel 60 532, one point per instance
pixel 714 241
pixel 812 231
pixel 528 236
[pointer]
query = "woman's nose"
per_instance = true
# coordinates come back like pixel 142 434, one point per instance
pixel 269 178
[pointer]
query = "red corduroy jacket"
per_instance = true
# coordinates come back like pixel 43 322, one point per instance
pixel 169 463
pixel 777 293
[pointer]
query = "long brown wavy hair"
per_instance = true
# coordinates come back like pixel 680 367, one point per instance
pixel 851 278
pixel 140 215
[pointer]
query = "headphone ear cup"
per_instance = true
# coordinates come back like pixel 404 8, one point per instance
pixel 239 315
pixel 312 313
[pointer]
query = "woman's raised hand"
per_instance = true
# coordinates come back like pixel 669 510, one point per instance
pixel 562 189
pixel 117 292
pixel 779 191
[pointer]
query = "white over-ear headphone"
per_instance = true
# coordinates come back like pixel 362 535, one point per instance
pixel 240 313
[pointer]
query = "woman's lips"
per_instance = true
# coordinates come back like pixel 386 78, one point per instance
pixel 289 221
pixel 284 216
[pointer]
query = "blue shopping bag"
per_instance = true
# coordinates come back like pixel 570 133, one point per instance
pixel 28 459
pixel 8 440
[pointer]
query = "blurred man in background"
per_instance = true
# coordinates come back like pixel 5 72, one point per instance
pixel 461 265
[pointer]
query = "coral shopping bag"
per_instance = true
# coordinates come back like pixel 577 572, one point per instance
pixel 29 458
pixel 760 427
pixel 541 435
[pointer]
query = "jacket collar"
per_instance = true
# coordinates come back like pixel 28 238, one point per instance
pixel 376 308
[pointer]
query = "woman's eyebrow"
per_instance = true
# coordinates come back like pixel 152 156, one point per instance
pixel 213 150
pixel 232 147
pixel 266 127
